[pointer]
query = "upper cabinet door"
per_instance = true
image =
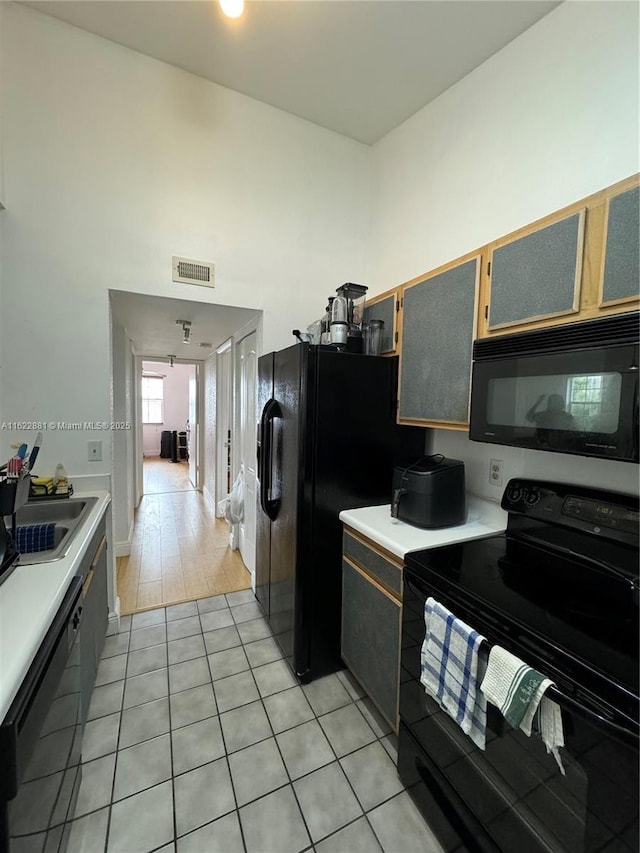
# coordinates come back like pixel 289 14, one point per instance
pixel 620 282
pixel 537 275
pixel 438 327
pixel 385 307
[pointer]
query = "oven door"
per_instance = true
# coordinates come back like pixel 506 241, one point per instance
pixel 512 796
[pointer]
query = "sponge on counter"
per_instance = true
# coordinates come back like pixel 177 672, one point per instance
pixel 42 485
pixel 42 481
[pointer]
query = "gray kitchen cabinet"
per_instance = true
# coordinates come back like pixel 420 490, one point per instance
pixel 371 624
pixel 621 261
pixel 438 328
pixel 385 307
pixel 536 273
pixel 95 613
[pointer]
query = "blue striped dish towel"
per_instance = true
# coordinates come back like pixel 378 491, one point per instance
pixel 449 669
pixel 518 691
pixel 35 537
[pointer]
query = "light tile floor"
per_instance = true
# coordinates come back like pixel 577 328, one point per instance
pixel 200 740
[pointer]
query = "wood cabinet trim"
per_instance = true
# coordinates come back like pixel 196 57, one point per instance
pixel 395 336
pixel 361 676
pixel 374 546
pixel 478 258
pixel 552 219
pixel 631 184
pixel 98 552
pixel 593 259
pixel 87 581
pixel 373 581
pixel 463 259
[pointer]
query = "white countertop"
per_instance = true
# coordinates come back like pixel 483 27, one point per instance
pixel 29 601
pixel 483 519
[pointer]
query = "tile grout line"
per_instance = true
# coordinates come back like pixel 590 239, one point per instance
pixel 353 698
pixel 226 755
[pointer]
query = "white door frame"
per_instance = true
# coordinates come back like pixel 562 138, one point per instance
pixel 137 426
pixel 224 416
pixel 139 458
pixel 194 436
pixel 245 446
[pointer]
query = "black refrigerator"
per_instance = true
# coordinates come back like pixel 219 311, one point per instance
pixel 327 440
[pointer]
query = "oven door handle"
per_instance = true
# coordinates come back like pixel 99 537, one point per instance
pixel 622 728
pixel 625 731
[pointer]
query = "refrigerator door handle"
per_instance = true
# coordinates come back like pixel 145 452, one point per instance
pixel 269 505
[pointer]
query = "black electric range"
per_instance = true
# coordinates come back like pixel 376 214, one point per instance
pixel 560 590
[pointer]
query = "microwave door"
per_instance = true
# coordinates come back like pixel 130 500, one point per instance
pixel 583 402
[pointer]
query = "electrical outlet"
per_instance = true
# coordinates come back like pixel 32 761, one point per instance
pixel 94 451
pixel 495 472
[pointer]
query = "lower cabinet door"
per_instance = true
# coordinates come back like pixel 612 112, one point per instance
pixel 371 620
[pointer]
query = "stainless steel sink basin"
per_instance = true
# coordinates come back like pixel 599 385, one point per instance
pixel 68 516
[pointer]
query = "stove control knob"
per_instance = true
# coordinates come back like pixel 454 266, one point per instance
pixel 532 497
pixel 514 494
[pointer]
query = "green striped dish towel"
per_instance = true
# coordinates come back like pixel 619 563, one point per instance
pixel 518 691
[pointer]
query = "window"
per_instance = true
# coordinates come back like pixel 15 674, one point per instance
pixel 594 401
pixel 152 400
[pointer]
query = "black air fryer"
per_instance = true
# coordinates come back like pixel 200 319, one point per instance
pixel 429 492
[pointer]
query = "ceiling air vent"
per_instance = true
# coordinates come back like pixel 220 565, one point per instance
pixel 188 271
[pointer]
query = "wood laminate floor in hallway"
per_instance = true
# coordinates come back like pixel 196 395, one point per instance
pixel 180 551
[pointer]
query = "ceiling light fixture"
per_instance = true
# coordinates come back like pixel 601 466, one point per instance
pixel 186 330
pixel 232 8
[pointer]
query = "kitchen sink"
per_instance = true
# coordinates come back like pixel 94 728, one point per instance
pixel 67 515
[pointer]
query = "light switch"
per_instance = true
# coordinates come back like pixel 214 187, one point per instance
pixel 94 451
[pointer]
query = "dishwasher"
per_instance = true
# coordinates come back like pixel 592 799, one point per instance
pixel 41 739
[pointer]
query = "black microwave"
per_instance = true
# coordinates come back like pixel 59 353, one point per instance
pixel 568 389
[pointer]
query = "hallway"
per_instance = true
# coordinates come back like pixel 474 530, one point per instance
pixel 162 475
pixel 179 551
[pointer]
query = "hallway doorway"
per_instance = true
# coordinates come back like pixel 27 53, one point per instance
pixel 171 548
pixel 180 552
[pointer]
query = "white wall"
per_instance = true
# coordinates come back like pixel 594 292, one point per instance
pixel 176 403
pixel 548 120
pixel 114 162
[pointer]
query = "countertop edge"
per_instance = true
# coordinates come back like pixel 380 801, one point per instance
pixel 484 518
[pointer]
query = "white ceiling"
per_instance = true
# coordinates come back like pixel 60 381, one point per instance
pixel 359 67
pixel 151 324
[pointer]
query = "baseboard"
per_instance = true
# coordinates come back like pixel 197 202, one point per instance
pixel 209 498
pixel 114 615
pixel 123 549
